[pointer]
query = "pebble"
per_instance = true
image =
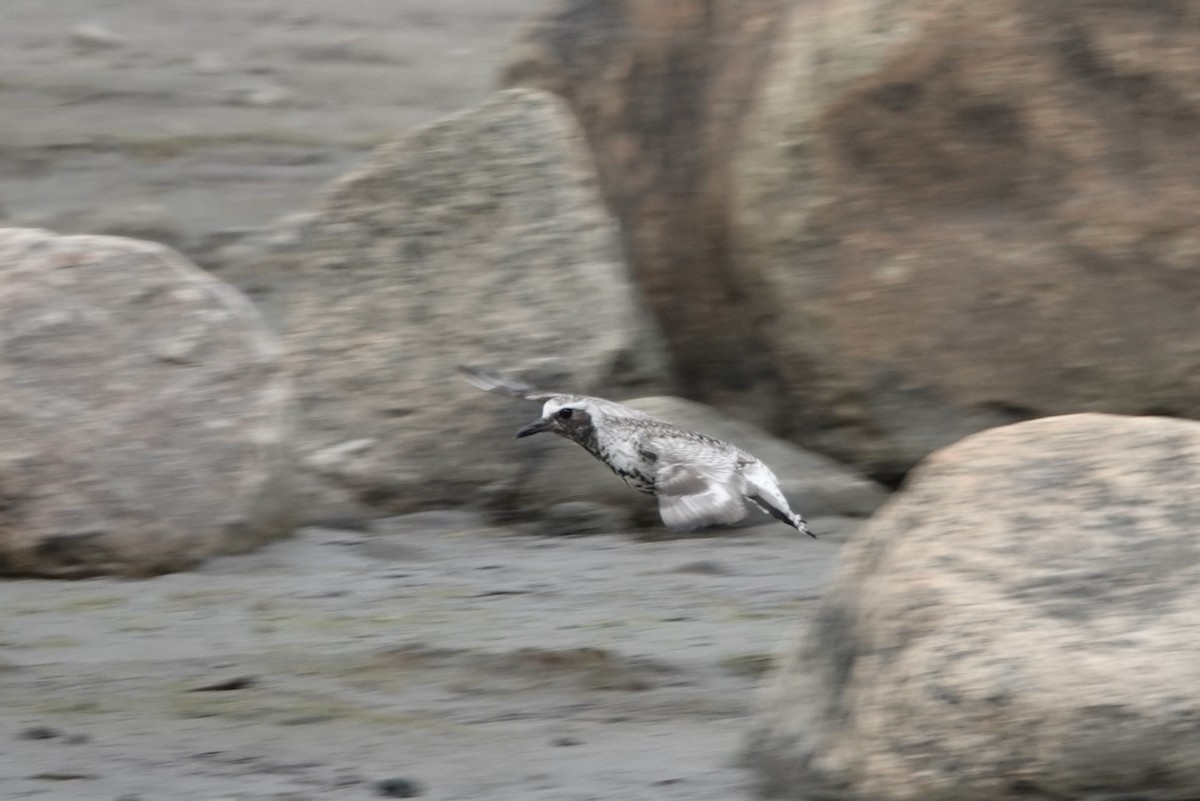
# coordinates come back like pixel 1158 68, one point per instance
pixel 39 733
pixel 398 787
pixel 704 567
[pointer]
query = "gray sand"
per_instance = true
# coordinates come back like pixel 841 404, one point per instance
pixel 480 663
pixel 226 113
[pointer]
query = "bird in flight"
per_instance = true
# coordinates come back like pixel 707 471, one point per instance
pixel 698 480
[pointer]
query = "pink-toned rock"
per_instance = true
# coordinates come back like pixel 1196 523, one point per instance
pixel 955 214
pixel 661 88
pixel 145 414
pixel 1020 620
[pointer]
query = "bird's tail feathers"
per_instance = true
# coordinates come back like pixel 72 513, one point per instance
pixel 763 490
pixel 785 515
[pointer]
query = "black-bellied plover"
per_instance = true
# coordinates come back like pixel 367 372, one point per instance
pixel 698 480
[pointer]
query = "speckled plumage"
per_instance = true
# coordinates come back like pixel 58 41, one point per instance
pixel 698 480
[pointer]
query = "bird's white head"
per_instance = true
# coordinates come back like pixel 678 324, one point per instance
pixel 570 416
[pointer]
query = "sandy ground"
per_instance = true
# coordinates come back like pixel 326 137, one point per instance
pixel 471 663
pixel 222 114
pixel 468 662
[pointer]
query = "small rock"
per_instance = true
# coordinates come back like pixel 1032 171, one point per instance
pixel 398 787
pixel 91 36
pixel 225 685
pixel 705 567
pixel 564 742
pixel 39 733
pixel 61 776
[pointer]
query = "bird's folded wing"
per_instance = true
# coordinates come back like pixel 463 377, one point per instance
pixel 490 382
pixel 693 493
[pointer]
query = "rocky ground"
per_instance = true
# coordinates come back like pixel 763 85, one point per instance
pixel 453 659
pixel 430 655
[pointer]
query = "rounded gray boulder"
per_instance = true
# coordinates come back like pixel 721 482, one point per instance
pixel 1020 620
pixel 480 239
pixel 145 413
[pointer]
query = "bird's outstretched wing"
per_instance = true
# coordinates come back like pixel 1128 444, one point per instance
pixel 490 382
pixel 695 487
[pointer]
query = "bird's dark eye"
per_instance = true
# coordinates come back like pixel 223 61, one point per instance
pixel 565 414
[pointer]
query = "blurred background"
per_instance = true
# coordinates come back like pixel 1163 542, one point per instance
pixel 193 123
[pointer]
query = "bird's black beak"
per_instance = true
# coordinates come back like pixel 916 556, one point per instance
pixel 536 427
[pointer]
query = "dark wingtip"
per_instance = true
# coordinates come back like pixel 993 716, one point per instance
pixel 803 526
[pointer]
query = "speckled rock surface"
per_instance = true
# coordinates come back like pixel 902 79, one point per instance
pixel 965 214
pixel 1021 619
pixel 145 415
pixel 480 239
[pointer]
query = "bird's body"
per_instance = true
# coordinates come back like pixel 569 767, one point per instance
pixel 699 480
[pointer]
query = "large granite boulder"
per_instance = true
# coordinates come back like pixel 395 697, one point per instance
pixel 661 90
pixel 479 239
pixel 145 416
pixel 955 214
pixel 1020 620
pixel 816 486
